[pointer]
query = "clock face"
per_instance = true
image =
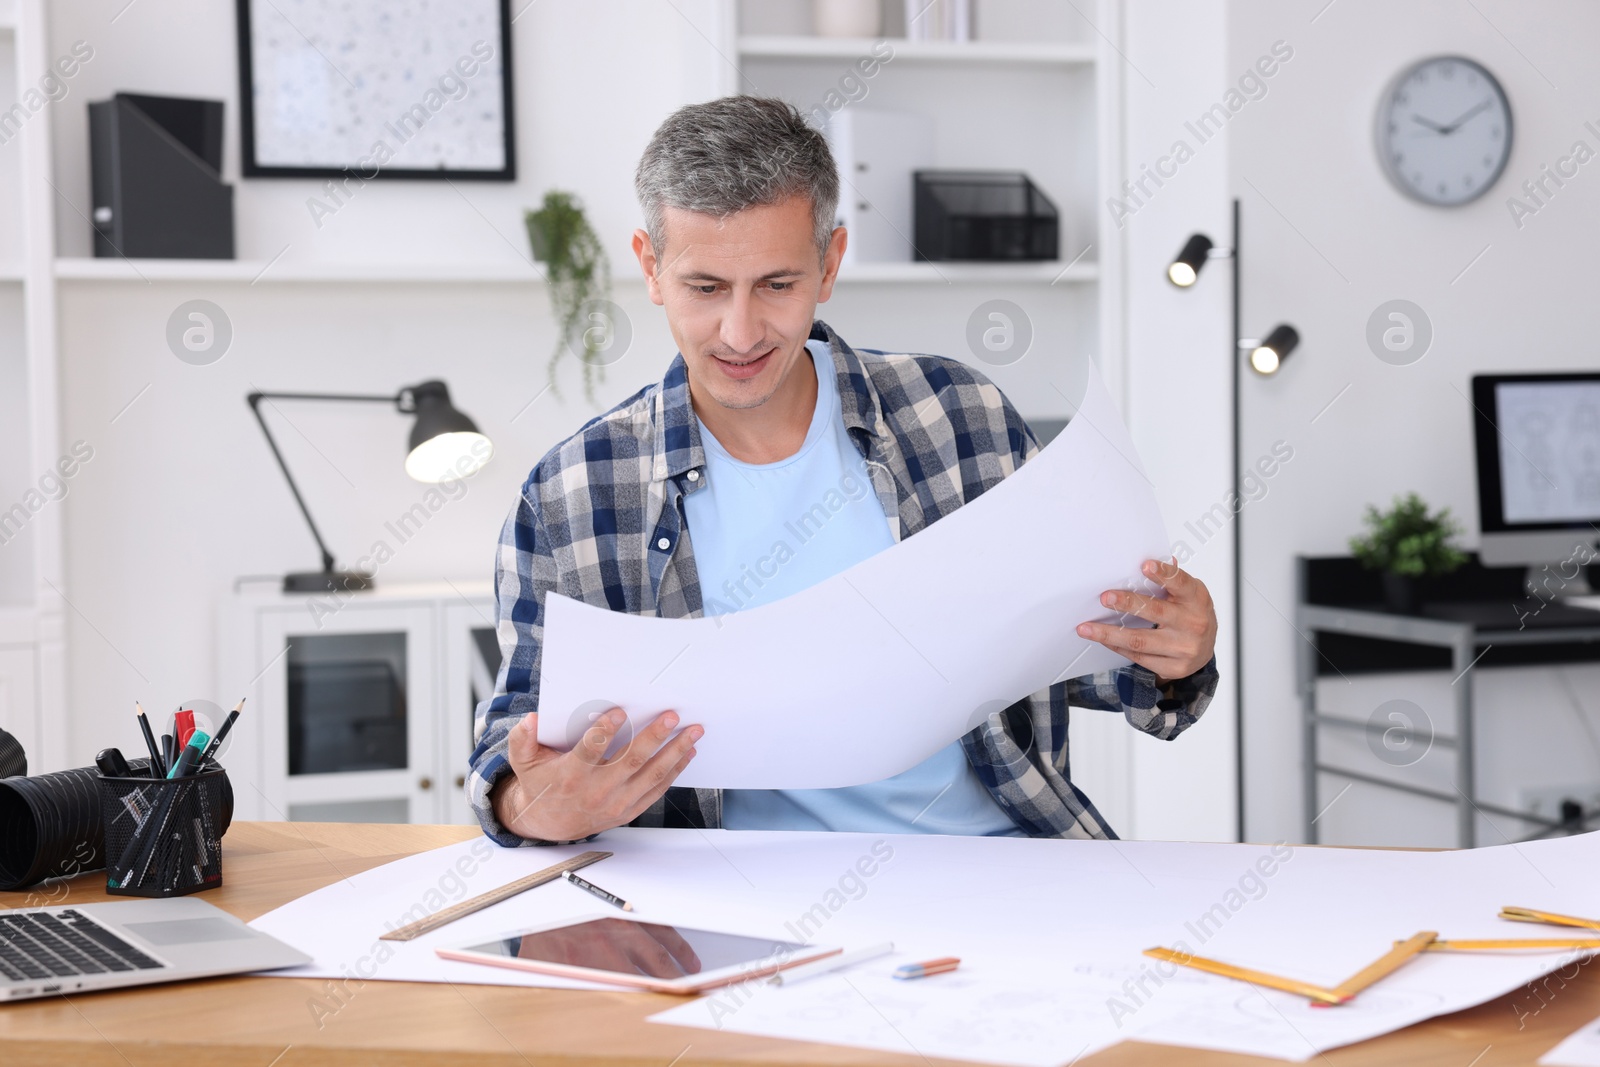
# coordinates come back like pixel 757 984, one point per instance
pixel 1444 131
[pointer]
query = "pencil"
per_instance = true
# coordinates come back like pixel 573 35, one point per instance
pixel 590 887
pixel 217 738
pixel 1528 915
pixel 1386 964
pixel 158 769
pixel 1245 974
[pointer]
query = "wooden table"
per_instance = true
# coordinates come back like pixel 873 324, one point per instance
pixel 269 1022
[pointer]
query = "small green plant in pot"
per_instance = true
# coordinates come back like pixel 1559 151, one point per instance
pixel 579 276
pixel 1406 543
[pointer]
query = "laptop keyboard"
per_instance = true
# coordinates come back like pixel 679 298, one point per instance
pixel 63 944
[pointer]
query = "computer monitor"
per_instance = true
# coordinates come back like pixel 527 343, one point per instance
pixel 1538 438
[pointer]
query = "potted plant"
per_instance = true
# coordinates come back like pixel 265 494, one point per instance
pixel 1406 543
pixel 579 276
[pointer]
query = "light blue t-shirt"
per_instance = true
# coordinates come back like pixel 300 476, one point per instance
pixel 763 531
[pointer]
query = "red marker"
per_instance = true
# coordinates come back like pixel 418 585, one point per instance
pixel 184 727
pixel 927 967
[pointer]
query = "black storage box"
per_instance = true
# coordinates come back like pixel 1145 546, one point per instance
pixel 988 215
pixel 156 165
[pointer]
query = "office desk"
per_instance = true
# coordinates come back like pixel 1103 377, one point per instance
pixel 1478 618
pixel 268 1022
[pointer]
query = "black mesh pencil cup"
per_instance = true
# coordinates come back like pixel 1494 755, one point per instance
pixel 163 837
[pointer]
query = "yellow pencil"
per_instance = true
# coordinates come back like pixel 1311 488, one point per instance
pixel 1245 974
pixel 1512 943
pixel 1528 915
pixel 1386 964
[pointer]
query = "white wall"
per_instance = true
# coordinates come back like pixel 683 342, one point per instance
pixel 1178 387
pixel 1327 240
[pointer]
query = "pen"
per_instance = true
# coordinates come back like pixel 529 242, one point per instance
pixel 227 724
pixel 157 768
pixel 830 963
pixel 167 755
pixel 927 967
pixel 112 764
pixel 190 756
pixel 590 887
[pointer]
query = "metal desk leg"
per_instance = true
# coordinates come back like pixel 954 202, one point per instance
pixel 1466 782
pixel 1306 675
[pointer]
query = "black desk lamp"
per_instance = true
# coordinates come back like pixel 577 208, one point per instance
pixel 444 444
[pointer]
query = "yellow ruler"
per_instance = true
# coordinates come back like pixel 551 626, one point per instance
pixel 492 897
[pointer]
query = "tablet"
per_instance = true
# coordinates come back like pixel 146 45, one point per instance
pixel 653 956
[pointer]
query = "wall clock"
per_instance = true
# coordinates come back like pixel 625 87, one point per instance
pixel 1444 131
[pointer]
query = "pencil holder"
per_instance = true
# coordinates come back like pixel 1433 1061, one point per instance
pixel 163 837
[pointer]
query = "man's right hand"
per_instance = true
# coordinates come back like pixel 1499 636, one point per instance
pixel 567 796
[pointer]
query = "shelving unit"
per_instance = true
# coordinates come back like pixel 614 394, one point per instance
pixel 252 273
pixel 265 272
pixel 1044 102
pixel 951 52
pixel 32 611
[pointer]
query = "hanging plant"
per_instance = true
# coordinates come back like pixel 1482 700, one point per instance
pixel 579 276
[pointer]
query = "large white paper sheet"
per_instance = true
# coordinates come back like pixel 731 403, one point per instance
pixel 1050 933
pixel 1582 1049
pixel 870 672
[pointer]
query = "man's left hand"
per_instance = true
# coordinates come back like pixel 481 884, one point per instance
pixel 1185 633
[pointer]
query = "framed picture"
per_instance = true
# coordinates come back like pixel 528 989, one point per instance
pixel 376 89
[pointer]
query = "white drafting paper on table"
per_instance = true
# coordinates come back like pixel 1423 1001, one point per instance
pixel 870 672
pixel 1582 1049
pixel 1041 1022
pixel 1050 933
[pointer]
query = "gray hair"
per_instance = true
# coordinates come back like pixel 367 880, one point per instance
pixel 725 155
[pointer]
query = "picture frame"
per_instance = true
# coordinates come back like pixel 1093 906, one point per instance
pixel 376 89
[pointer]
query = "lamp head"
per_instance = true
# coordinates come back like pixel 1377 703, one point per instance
pixel 1191 260
pixel 1268 356
pixel 444 442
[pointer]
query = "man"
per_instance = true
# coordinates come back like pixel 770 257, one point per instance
pixel 663 505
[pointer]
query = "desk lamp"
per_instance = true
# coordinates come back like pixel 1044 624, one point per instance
pixel 444 444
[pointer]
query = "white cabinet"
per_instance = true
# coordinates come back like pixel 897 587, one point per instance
pixel 18 700
pixel 360 707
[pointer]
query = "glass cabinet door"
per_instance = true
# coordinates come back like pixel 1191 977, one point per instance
pixel 472 663
pixel 349 723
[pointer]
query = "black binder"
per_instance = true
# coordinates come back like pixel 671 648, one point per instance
pixel 157 173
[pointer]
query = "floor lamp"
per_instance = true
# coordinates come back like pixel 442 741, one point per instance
pixel 1266 357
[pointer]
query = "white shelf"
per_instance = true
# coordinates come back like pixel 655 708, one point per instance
pixel 797 47
pixel 263 272
pixel 971 273
pixel 249 272
pixel 11 272
pixel 8 14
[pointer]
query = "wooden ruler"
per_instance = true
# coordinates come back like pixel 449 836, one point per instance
pixel 1386 964
pixel 1316 993
pixel 494 896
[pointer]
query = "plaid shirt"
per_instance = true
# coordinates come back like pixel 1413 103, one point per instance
pixel 601 520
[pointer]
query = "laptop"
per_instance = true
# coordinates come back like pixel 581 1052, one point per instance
pixel 87 947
